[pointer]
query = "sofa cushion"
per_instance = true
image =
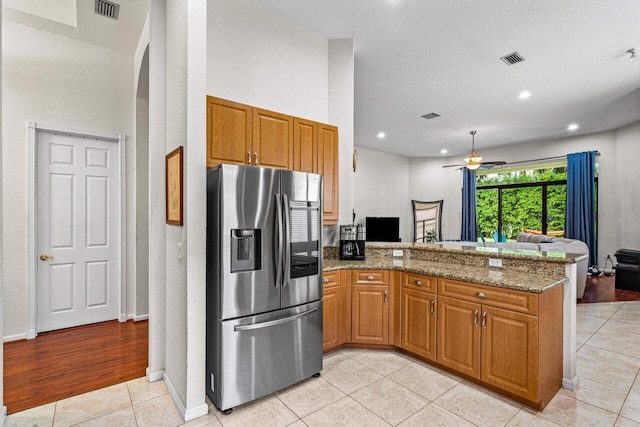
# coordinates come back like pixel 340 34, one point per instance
pixel 535 238
pixel 575 247
pixel 513 245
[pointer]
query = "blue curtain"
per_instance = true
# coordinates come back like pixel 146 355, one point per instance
pixel 469 233
pixel 580 218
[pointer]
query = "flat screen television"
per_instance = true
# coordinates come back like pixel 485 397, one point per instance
pixel 383 229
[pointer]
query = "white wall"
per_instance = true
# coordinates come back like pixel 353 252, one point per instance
pixel 627 191
pixel 341 114
pixel 3 409
pixel 58 81
pixel 382 189
pixel 258 58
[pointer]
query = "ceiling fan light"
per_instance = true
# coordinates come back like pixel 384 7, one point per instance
pixel 473 166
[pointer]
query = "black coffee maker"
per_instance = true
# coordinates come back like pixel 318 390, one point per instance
pixel 352 239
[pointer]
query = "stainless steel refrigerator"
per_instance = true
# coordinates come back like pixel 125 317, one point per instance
pixel 264 287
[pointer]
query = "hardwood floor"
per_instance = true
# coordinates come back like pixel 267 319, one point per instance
pixel 602 289
pixel 65 363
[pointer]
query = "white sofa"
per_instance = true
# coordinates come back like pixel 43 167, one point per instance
pixel 544 243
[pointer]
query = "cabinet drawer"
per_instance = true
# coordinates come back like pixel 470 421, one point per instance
pixel 523 302
pixel 419 282
pixel 330 279
pixel 370 277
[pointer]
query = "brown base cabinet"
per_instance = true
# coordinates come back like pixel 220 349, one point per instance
pixel 370 307
pixel 418 313
pixel 335 310
pixel 509 341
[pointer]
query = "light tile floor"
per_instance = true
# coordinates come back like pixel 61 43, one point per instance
pixel 381 388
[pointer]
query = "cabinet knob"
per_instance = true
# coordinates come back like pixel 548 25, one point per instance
pixel 481 295
pixel 369 277
pixel 325 280
pixel 418 283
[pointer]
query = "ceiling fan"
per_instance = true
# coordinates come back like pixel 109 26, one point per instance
pixel 474 160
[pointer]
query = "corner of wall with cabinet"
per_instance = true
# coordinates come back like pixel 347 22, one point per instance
pixel 246 135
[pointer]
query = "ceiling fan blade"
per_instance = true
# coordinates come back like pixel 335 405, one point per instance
pixel 497 162
pixel 454 166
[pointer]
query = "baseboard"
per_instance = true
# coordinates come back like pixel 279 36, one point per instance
pixel 187 414
pixel 174 395
pixel 15 337
pixel 154 376
pixel 3 415
pixel 122 317
pixel 31 334
pixel 136 318
pixel 571 383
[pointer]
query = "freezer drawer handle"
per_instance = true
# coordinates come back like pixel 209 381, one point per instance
pixel 273 322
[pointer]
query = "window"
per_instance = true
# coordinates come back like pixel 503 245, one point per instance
pixel 514 200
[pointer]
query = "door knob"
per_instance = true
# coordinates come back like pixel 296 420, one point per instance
pixel 45 257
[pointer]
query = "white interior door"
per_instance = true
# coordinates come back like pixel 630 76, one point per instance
pixel 77 193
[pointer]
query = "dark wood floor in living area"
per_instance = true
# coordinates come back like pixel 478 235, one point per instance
pixel 602 289
pixel 69 362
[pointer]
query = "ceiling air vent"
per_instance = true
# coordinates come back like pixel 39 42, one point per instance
pixel 512 58
pixel 430 116
pixel 107 8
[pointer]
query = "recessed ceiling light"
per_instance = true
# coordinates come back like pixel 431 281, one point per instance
pixel 381 135
pixel 524 95
pixel 443 151
pixel 572 126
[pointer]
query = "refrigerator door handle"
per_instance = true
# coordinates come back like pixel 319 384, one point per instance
pixel 287 240
pixel 279 240
pixel 239 328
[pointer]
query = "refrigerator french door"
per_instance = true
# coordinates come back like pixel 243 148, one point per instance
pixel 264 261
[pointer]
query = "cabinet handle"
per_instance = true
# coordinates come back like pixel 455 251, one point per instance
pixel 418 283
pixel 481 295
pixel 369 277
pixel 325 280
pixel 249 157
pixel 484 319
pixel 386 296
pixel 475 318
pixel 433 306
pixel 255 158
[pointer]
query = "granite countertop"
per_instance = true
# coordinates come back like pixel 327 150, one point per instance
pixel 509 279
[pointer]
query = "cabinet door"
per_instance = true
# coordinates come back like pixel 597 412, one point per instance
pixel 419 323
pixel 459 335
pixel 305 145
pixel 272 139
pixel 510 351
pixel 229 131
pixel 370 314
pixel 328 167
pixel 331 317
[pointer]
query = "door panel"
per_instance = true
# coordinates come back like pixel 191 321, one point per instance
pixel 265 356
pixel 509 352
pixel 370 315
pixel 247 202
pixel 459 335
pixel 272 139
pixel 229 127
pixel 77 200
pixel 419 323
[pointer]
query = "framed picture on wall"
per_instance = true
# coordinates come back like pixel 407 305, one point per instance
pixel 173 182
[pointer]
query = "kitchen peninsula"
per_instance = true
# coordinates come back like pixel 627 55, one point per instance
pixel 494 316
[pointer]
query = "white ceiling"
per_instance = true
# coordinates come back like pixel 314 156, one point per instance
pixel 414 57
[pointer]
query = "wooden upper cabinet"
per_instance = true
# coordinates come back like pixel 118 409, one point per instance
pixel 328 167
pixel 305 145
pixel 272 139
pixel 229 127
